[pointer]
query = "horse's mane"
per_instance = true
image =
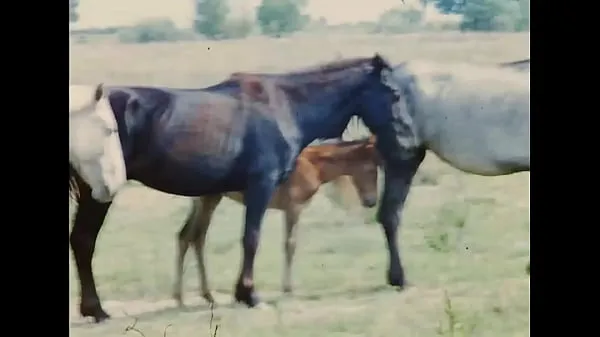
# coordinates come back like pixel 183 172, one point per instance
pixel 306 76
pixel 309 73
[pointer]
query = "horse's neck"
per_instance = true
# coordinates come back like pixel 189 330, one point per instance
pixel 320 118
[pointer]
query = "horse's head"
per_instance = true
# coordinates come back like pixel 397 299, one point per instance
pixel 361 161
pixel 382 105
pixel 391 111
pixel 364 172
pixel 94 145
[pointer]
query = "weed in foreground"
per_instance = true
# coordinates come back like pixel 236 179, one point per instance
pixel 455 325
pixel 211 332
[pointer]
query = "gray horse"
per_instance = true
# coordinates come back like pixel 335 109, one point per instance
pixel 473 117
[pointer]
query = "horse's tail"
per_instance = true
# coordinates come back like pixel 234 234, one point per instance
pixel 344 192
pixel 74 182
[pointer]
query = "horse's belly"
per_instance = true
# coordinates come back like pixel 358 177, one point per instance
pixel 277 201
pixel 476 149
pixel 189 179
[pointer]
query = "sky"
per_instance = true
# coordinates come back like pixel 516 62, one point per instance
pixel 105 13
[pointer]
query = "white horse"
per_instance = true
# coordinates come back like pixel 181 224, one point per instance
pixel 94 146
pixel 473 117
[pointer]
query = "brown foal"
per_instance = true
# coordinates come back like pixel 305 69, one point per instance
pixel 316 165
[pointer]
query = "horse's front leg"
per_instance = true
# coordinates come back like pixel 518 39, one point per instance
pixel 88 221
pixel 397 185
pixel 257 197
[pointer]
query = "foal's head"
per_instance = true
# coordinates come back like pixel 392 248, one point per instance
pixel 360 161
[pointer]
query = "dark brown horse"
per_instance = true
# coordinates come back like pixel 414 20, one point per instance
pixel 316 165
pixel 243 134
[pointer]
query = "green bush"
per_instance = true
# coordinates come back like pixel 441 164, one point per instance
pixel 152 30
pixel 494 15
pixel 399 21
pixel 279 17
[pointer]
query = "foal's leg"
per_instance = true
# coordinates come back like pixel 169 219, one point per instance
pixel 397 185
pixel 184 239
pixel 88 221
pixel 292 214
pixel 209 205
pixel 257 197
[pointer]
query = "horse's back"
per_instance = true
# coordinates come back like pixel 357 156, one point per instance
pixel 475 117
pixel 491 77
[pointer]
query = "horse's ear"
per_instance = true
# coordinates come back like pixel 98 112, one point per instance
pixel 379 63
pixel 133 105
pixel 131 109
pixel 98 92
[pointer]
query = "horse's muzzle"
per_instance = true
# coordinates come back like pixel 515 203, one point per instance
pixel 369 202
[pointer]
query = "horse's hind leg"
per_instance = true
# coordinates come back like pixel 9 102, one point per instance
pixel 291 219
pixel 257 197
pixel 185 237
pixel 202 222
pixel 88 221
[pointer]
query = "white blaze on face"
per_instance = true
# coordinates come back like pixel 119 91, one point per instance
pixel 94 146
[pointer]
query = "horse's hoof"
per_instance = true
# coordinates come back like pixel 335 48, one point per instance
pixel 95 311
pixel 246 295
pixel 178 299
pixel 262 306
pixel 287 290
pixel 396 279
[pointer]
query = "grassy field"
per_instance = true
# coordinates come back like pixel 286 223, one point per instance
pixel 464 240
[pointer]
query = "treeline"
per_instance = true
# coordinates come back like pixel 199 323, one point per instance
pixel 282 17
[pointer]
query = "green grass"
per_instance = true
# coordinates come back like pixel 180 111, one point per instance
pixel 464 239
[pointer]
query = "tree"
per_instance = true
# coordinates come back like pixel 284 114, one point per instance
pixel 492 15
pixel 523 24
pixel 277 17
pixel 211 16
pixel 449 6
pixel 151 30
pixel 73 14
